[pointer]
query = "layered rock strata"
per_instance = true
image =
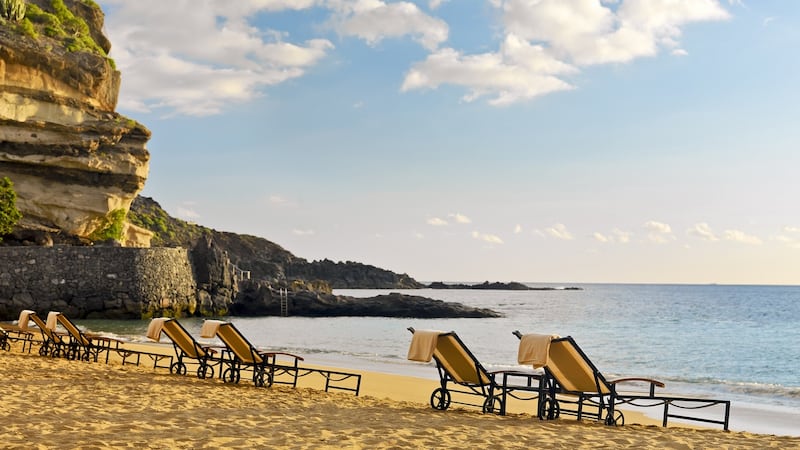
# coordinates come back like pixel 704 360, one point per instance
pixel 73 160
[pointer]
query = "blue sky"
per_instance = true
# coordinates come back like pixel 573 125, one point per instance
pixel 552 140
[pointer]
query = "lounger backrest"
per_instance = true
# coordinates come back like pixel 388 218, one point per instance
pixel 238 344
pixel 73 330
pixel 454 357
pixel 572 370
pixel 42 326
pixel 175 331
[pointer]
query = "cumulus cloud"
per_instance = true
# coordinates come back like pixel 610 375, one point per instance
pixel 703 231
pixel 187 212
pixel 299 232
pixel 219 56
pixel 617 235
pixel 589 32
pixel 658 232
pixel 519 71
pixel 741 236
pixel 279 200
pixel 375 20
pixel 459 218
pixel 547 40
pixel 212 59
pixel 437 222
pixel 559 231
pixel 490 238
pixel 517 229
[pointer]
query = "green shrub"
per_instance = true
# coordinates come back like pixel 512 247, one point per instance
pixel 112 228
pixel 9 214
pixel 13 10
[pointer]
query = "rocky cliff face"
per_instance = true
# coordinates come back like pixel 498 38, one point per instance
pixel 73 160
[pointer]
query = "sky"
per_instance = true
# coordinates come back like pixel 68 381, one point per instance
pixel 554 141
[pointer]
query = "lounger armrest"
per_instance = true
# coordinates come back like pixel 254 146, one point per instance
pixel 653 383
pixel 296 357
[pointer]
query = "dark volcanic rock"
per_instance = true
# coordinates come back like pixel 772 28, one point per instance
pixel 259 299
pixel 497 286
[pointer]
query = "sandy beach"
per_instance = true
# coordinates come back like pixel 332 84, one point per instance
pixel 56 403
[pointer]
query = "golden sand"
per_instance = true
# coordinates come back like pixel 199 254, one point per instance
pixel 56 403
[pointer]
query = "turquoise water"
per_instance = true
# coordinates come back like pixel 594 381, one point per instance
pixel 732 342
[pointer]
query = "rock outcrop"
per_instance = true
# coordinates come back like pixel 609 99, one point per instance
pixel 260 299
pixel 75 163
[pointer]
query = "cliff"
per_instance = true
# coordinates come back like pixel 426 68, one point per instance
pixel 75 163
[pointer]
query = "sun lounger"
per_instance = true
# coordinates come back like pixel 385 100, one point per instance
pixel 576 387
pixel 267 369
pixel 53 344
pixel 4 340
pixel 84 346
pixel 458 366
pixel 186 348
pixel 14 333
pixel 241 354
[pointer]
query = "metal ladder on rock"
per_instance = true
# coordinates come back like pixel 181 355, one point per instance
pixel 284 295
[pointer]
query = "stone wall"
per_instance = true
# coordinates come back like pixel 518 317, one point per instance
pixel 97 282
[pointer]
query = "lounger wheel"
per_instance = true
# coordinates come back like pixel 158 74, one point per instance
pixel 262 379
pixel 550 409
pixel 231 376
pixel 493 404
pixel 617 419
pixel 6 346
pixel 205 371
pixel 178 368
pixel 440 399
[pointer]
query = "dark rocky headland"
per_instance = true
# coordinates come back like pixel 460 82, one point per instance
pixel 89 246
pixel 499 286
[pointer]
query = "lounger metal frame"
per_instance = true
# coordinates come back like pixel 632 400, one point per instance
pixel 492 391
pixel 187 348
pixel 243 355
pixel 53 344
pixel 605 398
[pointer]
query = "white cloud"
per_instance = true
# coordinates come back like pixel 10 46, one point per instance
pixel 375 20
pixel 517 229
pixel 546 40
pixel 768 20
pixel 490 238
pixel 519 71
pixel 616 235
pixel 279 200
pixel 658 232
pixel 212 59
pixel 186 213
pixel 790 229
pixel 419 236
pixel 559 231
pixel 435 4
pixel 298 232
pixel 703 231
pixel 437 222
pixel 587 32
pixel 459 218
pixel 741 236
pixel 623 237
pixel 679 52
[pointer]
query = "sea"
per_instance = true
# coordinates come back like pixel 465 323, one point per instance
pixel 732 342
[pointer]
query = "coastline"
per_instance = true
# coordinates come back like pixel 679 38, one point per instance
pixel 56 402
